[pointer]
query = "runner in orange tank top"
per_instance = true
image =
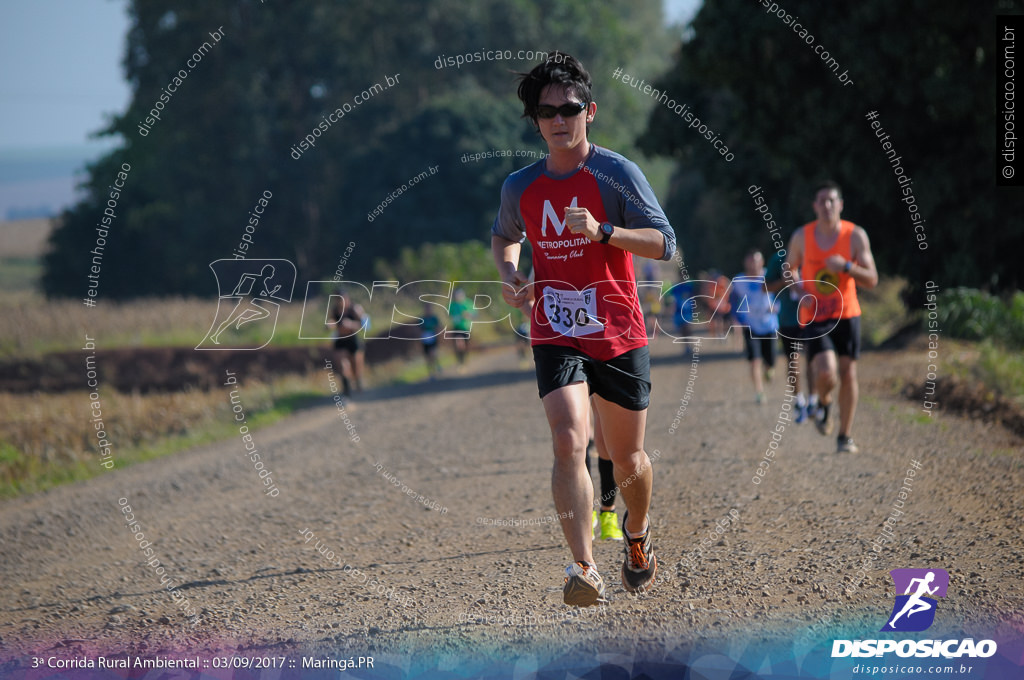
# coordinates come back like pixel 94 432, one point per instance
pixel 835 294
pixel 831 257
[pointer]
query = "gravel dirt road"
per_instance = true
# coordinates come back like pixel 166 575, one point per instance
pixel 431 536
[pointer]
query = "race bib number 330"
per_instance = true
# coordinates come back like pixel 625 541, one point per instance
pixel 572 313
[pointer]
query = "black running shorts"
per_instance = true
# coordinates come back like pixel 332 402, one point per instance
pixel 351 344
pixel 843 339
pixel 759 348
pixel 624 380
pixel 792 341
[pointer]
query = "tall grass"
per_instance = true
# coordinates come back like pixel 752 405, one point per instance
pixel 996 326
pixel 51 439
pixel 34 326
pixel 971 314
pixel 882 310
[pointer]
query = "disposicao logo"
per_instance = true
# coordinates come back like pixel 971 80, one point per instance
pixel 913 611
pixel 258 288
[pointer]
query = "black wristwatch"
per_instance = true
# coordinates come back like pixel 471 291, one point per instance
pixel 846 267
pixel 606 229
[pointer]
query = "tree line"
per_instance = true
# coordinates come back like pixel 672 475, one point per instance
pixel 340 111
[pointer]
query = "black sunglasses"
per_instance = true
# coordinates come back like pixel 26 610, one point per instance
pixel 566 110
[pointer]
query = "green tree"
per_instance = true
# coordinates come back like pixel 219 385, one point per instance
pixel 928 69
pixel 469 261
pixel 229 131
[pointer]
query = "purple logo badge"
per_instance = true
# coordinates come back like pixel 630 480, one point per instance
pixel 916 590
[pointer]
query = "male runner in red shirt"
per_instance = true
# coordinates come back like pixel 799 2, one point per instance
pixel 586 210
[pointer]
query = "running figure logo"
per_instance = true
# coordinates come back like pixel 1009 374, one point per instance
pixel 914 609
pixel 259 283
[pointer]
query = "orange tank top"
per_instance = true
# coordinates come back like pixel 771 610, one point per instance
pixel 835 294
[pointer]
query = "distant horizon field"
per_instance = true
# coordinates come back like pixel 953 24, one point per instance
pixel 45 177
pixel 24 238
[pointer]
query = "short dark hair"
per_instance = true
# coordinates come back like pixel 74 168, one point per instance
pixel 558 69
pixel 828 184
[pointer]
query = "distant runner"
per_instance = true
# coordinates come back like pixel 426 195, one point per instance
pixel 833 256
pixel 428 336
pixel 651 302
pixel 685 313
pixel 460 313
pixel 349 319
pixel 751 306
pixel 790 332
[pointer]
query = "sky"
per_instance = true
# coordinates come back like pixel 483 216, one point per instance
pixel 48 96
pixel 60 69
pixel 61 79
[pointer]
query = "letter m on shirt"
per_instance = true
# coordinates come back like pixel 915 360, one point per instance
pixel 550 214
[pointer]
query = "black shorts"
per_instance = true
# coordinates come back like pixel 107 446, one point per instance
pixel 351 344
pixel 841 337
pixel 624 380
pixel 759 348
pixel 792 340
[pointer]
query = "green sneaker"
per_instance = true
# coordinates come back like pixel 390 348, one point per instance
pixel 610 526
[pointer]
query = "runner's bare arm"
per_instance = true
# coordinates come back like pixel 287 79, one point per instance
pixel 648 242
pixel 775 285
pixel 862 263
pixel 506 257
pixel 863 268
pixel 795 254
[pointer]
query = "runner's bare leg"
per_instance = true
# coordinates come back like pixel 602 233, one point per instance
pixel 848 394
pixel 623 432
pixel 755 375
pixel 826 375
pixel 567 409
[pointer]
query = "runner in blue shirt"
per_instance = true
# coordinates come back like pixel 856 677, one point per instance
pixel 787 299
pixel 752 308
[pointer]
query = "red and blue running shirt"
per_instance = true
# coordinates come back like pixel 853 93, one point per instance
pixel 585 290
